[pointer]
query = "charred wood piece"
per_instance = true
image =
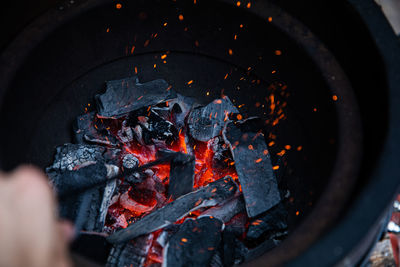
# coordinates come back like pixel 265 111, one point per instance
pixel 207 122
pixel 85 208
pixel 261 249
pixel 253 166
pixel 275 220
pixel 208 196
pixel 181 106
pixel 126 95
pixel 196 242
pixel 88 130
pixel 181 176
pixel 225 211
pixel 152 128
pixel 130 161
pixel 132 253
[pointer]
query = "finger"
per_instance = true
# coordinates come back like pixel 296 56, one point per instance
pixel 67 230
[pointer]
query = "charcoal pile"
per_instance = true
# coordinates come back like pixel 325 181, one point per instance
pixel 169 182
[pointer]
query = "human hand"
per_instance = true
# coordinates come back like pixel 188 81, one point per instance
pixel 30 234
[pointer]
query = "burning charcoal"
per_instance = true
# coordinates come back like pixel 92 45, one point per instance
pixel 181 175
pixel 130 161
pixel 194 244
pixel 132 253
pixel 271 222
pixel 222 155
pixel 207 196
pixel 153 128
pixel 130 204
pixel 87 130
pixel 253 166
pixel 126 95
pixel 227 210
pixel 207 122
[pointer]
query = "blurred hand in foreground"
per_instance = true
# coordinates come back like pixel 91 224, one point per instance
pixel 30 233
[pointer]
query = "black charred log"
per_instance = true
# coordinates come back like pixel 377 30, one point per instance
pixel 126 95
pixel 194 244
pixel 253 166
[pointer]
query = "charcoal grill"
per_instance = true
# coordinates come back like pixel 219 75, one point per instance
pixel 51 71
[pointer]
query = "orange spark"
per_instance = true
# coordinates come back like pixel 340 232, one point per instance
pixel 275 168
pixel 118 6
pixel 258 160
pixel 278 52
pixel 281 153
pixel 180 17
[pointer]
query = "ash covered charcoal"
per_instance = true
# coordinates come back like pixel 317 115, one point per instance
pixel 207 122
pixel 225 211
pixel 73 156
pixel 130 161
pixel 132 253
pixel 126 95
pixel 265 225
pixel 253 166
pixel 194 244
pixel 208 196
pixel 151 128
pixel 181 176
